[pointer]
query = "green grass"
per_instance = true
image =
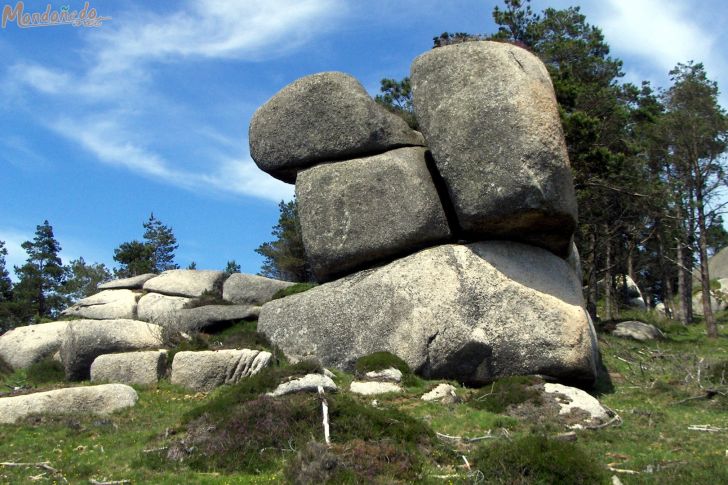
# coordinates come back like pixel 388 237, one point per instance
pixel 659 389
pixel 292 290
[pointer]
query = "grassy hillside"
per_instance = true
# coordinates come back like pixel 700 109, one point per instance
pixel 670 398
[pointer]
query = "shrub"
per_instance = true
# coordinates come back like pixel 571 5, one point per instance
pixel 380 361
pixel 207 298
pixel 240 335
pixel 536 459
pixel 292 290
pixel 718 372
pixel 505 392
pixel 45 371
pixel 5 369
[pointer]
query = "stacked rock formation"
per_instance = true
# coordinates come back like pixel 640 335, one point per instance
pixel 452 248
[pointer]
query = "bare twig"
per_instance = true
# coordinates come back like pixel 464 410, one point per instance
pixel 465 439
pixel 325 411
pixel 621 470
pixel 45 465
pixel 112 482
pixel 705 427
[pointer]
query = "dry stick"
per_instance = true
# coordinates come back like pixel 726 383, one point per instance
pixel 114 482
pixel 45 465
pixel 467 440
pixel 325 410
pixel 705 427
pixel 621 470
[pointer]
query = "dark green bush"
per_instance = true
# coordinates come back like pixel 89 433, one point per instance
pixel 506 392
pixel 207 298
pixel 292 290
pixel 536 459
pixel 45 371
pixel 380 361
pixel 240 335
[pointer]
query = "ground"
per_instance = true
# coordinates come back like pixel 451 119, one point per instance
pixel 669 397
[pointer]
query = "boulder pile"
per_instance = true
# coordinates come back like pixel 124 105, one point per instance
pixel 451 248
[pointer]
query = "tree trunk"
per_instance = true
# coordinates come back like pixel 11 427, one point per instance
pixel 710 326
pixel 608 277
pixel 682 285
pixel 592 294
pixel 667 291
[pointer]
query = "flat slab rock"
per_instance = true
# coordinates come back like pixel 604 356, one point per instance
pixel 106 305
pixel 638 331
pixel 21 347
pixel 208 369
pixel 101 400
pixel 161 309
pixel 371 388
pixel 250 289
pixel 322 117
pixel 195 319
pixel 84 340
pixel 141 368
pixel 470 313
pixel 132 283
pixel 307 383
pixel 489 115
pixel 187 282
pixel 359 212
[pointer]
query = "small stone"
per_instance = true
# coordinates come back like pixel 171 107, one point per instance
pixel 440 393
pixel 385 375
pixel 367 388
pixel 638 331
pixel 307 383
pixel 577 400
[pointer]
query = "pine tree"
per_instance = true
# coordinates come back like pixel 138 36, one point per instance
pixel 232 267
pixel 40 278
pixel 163 244
pixel 82 279
pixel 135 258
pixel 285 258
pixel 6 285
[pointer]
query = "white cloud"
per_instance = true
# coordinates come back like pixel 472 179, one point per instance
pixel 660 31
pixel 119 85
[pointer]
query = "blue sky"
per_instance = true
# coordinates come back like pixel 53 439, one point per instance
pixel 150 110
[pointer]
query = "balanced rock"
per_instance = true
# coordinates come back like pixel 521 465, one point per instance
pixel 467 312
pixel 638 331
pixel 322 117
pixel 100 400
pixel 250 289
pixel 142 368
pixel 84 340
pixel 21 347
pixel 106 305
pixel 366 210
pixel 208 369
pixel 187 282
pixel 132 283
pixel 489 115
pixel 307 383
pixel 161 309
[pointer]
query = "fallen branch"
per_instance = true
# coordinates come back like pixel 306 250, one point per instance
pixel 45 465
pixel 325 411
pixel 154 450
pixel 622 470
pixel 616 419
pixel 465 439
pixel 113 482
pixel 706 428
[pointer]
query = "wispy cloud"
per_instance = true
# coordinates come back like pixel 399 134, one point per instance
pixel 119 85
pixel 660 33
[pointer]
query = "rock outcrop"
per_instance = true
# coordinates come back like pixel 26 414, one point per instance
pixel 250 289
pixel 323 117
pixel 200 318
pixel 468 312
pixel 189 283
pixel 161 309
pixel 100 400
pixel 84 340
pixel 489 115
pixel 23 346
pixel 106 305
pixel 141 368
pixel 365 210
pixel 206 370
pixel 132 283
